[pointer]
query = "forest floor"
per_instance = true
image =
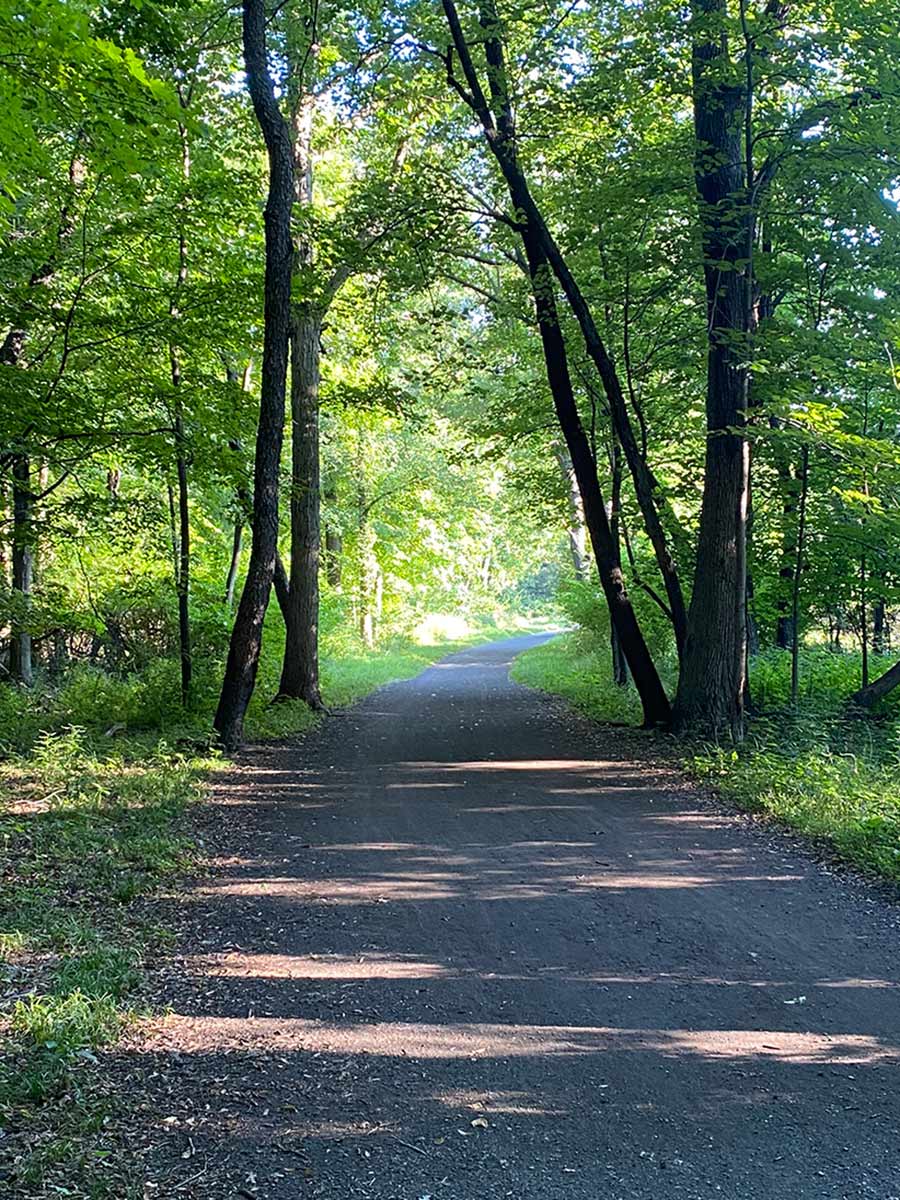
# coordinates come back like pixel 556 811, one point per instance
pixel 461 943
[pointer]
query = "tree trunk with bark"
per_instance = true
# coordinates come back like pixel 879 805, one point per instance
pixel 300 669
pixel 246 637
pixel 20 646
pixel 334 557
pixel 879 688
pixel 21 668
pixel 495 115
pixel 654 701
pixel 619 661
pixel 710 696
pixel 499 129
pixel 237 541
pixel 879 626
pixel 577 532
pixel 183 561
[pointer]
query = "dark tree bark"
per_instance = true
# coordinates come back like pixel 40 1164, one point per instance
pixel 500 133
pixel 242 498
pixel 11 354
pixel 282 586
pixel 334 542
pixel 528 212
pixel 619 661
pixel 710 696
pixel 499 130
pixel 20 647
pixel 879 688
pixel 300 609
pixel 183 560
pixel 879 612
pixel 300 669
pixel 334 557
pixel 653 697
pixel 183 582
pixel 246 637
pixel 797 572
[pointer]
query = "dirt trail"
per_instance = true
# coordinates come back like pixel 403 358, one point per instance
pixel 462 947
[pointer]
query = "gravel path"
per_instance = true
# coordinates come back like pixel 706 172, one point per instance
pixel 460 944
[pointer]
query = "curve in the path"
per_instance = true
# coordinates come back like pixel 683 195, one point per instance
pixel 463 948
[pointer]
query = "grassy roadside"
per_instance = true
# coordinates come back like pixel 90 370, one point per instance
pixel 86 834
pixel 93 804
pixel 814 770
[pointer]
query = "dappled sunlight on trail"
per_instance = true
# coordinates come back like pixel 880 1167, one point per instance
pixel 453 944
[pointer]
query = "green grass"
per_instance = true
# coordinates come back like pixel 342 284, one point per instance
pixel 348 678
pixel 575 667
pixel 833 779
pixel 85 833
pixel 95 779
pixel 830 776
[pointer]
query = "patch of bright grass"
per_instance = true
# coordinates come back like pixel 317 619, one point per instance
pixel 574 667
pixel 68 1022
pixel 348 677
pixel 84 832
pixel 830 776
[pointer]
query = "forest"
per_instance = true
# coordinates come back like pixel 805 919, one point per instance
pixel 338 337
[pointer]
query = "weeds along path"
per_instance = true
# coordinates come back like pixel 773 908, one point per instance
pixel 462 944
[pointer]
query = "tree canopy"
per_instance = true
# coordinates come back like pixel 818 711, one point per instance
pixel 528 280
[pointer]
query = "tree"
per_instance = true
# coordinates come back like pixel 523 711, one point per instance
pixel 246 637
pixel 544 260
pixel 711 684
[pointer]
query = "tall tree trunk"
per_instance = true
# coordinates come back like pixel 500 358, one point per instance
pixel 878 626
pixel 23 497
pixel 797 572
pixel 499 130
pixel 653 697
pixel 577 533
pixel 234 562
pixel 334 543
pixel 334 554
pixel 242 499
pixel 300 669
pixel 20 647
pixel 619 662
pixel 183 580
pixel 246 637
pixel 183 564
pixel 710 696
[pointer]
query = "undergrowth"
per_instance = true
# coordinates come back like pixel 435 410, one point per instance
pixel 85 834
pixel 817 769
